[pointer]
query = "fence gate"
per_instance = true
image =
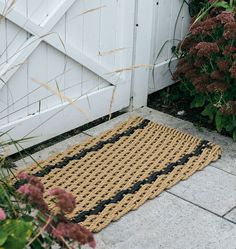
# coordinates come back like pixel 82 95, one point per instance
pixel 71 47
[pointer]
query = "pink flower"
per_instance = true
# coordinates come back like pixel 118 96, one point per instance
pixel 225 17
pixel 229 108
pixel 23 175
pixel 2 214
pixel 34 181
pixel 204 49
pixel 230 31
pixel 64 200
pixel 92 244
pixel 74 232
pixel 24 189
pixel 35 195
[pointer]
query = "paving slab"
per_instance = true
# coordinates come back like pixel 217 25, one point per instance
pixel 168 222
pixel 212 189
pixel 231 215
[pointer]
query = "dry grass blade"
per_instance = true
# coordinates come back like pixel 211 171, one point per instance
pixel 105 53
pixel 9 5
pixel 89 11
pixel 61 96
pixel 111 102
pixel 120 70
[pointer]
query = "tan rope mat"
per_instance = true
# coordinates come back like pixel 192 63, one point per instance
pixel 122 168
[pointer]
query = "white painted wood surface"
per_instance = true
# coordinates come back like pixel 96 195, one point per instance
pixel 166 27
pixel 59 62
pixel 145 13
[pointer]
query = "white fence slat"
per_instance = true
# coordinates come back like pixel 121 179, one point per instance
pixel 107 36
pixel 15 39
pixel 108 33
pixel 16 101
pixel 144 25
pixel 21 6
pixel 37 10
pixel 56 66
pixel 74 25
pixel 73 79
pixel 163 33
pixel 91 41
pixel 3 42
pixel 3 92
pixel 37 70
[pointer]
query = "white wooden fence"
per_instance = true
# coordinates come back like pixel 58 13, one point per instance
pixel 64 63
pixel 171 22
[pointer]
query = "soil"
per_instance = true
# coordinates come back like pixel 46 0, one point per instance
pixel 163 101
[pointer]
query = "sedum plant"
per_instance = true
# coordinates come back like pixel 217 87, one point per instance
pixel 26 221
pixel 207 64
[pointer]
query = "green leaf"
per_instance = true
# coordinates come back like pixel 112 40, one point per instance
pixel 3 237
pixel 219 122
pixel 199 101
pixel 234 135
pixel 229 127
pixel 222 4
pixel 27 218
pixel 36 244
pixel 209 111
pixel 18 231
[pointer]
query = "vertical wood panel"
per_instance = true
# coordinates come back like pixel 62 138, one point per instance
pixel 21 6
pixel 37 10
pixel 91 42
pixel 185 21
pixel 37 71
pixel 17 94
pixel 142 53
pixel 124 36
pixel 74 36
pixel 15 37
pixel 56 66
pixel 3 92
pixel 74 25
pixel 56 61
pixel 164 32
pixel 3 106
pixel 3 33
pixel 17 85
pixel 108 33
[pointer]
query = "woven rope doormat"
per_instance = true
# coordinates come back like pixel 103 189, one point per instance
pixel 122 168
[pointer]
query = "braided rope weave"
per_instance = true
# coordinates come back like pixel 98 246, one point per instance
pixel 119 170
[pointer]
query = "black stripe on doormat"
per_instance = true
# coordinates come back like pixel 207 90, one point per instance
pixel 137 186
pixel 47 169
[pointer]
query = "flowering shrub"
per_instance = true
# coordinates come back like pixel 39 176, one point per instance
pixel 207 65
pixel 27 222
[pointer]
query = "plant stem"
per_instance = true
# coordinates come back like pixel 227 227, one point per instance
pixel 40 232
